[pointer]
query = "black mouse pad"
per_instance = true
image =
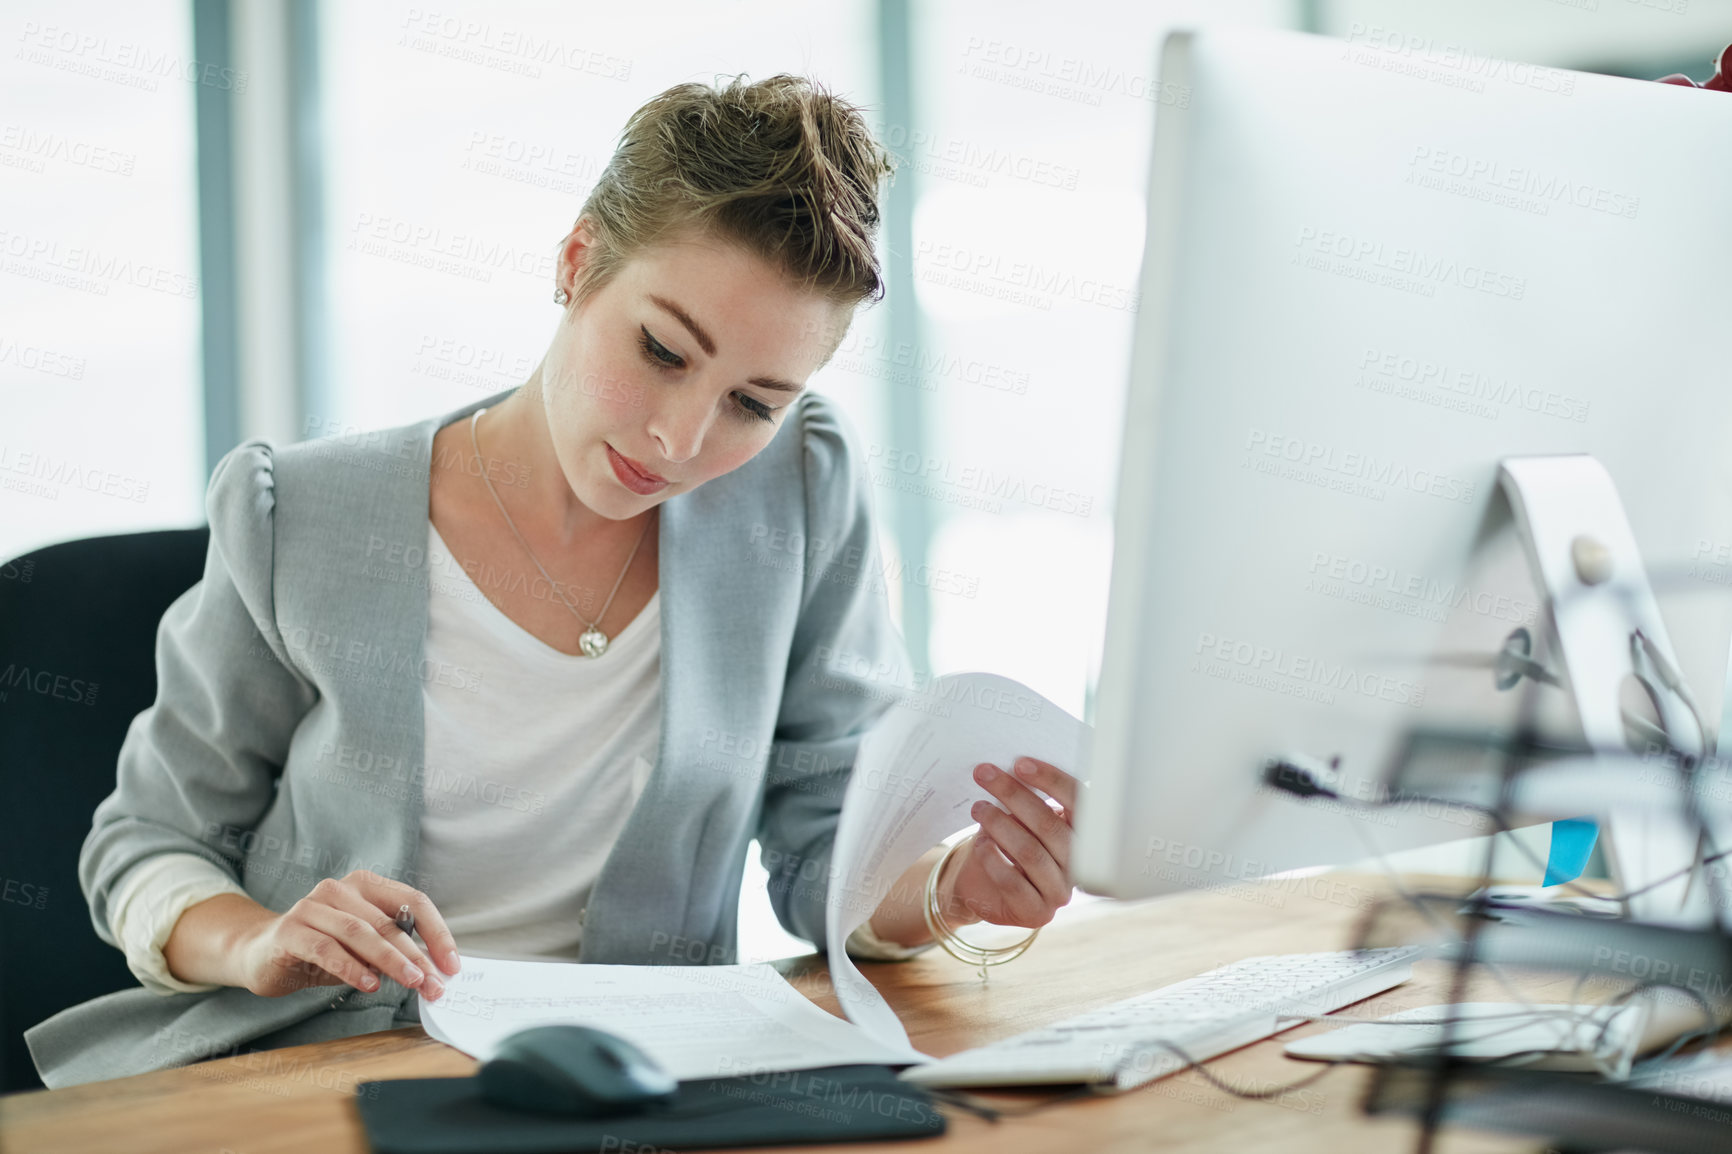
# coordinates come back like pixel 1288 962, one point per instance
pixel 834 1104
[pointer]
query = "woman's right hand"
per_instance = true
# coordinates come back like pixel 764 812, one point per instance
pixel 345 933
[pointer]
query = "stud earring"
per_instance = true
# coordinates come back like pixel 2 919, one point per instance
pixel 560 297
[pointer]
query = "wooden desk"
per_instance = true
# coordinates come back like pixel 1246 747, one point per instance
pixel 300 1098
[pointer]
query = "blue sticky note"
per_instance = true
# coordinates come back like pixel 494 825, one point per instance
pixel 1572 844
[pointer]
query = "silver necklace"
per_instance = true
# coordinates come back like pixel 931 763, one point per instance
pixel 592 641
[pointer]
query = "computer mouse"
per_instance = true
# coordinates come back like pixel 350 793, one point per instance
pixel 575 1070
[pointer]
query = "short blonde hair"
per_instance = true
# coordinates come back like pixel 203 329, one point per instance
pixel 781 167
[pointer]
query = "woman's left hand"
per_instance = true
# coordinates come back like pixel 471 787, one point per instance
pixel 1016 870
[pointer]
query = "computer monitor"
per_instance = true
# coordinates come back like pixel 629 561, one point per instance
pixel 1375 268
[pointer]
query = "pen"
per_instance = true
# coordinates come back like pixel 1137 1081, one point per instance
pixel 406 920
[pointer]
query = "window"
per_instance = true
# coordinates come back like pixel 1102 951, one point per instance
pixel 1032 154
pixel 101 401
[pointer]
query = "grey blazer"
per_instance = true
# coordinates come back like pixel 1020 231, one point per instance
pixel 285 742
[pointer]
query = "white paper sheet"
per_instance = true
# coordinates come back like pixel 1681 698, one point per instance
pixel 912 787
pixel 696 1021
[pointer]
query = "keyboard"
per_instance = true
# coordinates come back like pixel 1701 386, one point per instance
pixel 1121 1046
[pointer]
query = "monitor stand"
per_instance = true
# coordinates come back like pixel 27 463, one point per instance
pixel 1585 559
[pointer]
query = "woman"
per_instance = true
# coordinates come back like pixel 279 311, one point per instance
pixel 526 668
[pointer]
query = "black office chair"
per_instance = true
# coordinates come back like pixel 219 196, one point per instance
pixel 77 663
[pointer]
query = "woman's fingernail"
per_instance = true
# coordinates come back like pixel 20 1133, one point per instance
pixel 433 988
pixel 1025 767
pixel 415 974
pixel 369 982
pixel 977 809
pixel 451 961
pixel 984 773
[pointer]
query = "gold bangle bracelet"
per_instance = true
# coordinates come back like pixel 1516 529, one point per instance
pixel 945 935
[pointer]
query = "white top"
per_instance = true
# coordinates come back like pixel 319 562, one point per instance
pixel 531 775
pixel 531 771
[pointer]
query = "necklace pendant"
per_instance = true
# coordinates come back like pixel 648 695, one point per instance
pixel 593 642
